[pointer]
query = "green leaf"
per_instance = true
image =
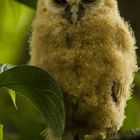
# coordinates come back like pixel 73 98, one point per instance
pixel 31 3
pixel 15 22
pixel 41 89
pixel 4 67
pixel 13 97
pixel 1 132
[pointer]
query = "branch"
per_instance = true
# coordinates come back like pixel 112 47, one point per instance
pixel 133 134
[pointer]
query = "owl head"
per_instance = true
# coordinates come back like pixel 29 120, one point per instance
pixel 74 10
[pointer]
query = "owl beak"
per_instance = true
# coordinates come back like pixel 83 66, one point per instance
pixel 74 14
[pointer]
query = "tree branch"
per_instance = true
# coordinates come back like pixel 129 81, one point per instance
pixel 133 134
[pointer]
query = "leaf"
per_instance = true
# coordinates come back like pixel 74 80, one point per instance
pixel 4 67
pixel 31 3
pixel 1 132
pixel 13 97
pixel 15 22
pixel 41 89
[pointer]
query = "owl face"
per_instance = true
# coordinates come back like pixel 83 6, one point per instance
pixel 72 10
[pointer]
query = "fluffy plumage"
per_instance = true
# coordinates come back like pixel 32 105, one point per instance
pixel 93 61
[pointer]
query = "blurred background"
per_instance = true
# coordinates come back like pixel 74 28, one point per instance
pixel 15 30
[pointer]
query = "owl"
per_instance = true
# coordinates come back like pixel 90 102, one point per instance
pixel 90 51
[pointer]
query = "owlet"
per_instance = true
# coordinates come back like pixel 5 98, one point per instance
pixel 90 51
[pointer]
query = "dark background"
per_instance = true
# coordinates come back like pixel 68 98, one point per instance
pixel 130 10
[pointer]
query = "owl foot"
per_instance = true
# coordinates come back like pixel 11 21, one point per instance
pixel 100 136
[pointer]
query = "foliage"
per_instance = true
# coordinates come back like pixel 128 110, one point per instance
pixel 14 24
pixel 40 88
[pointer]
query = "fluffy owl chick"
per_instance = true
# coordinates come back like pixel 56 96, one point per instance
pixel 90 51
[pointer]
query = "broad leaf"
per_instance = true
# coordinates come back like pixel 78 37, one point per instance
pixel 40 88
pixel 1 132
pixel 4 67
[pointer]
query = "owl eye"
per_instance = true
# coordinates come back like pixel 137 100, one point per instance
pixel 61 2
pixel 87 1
